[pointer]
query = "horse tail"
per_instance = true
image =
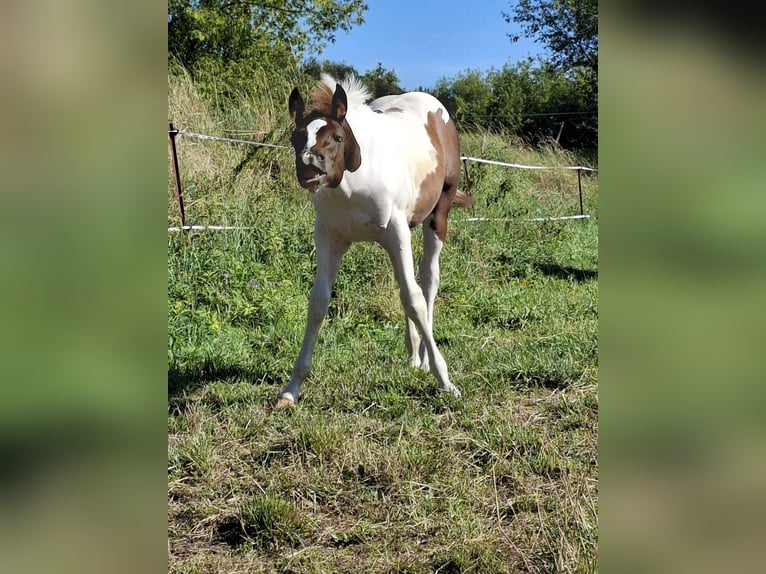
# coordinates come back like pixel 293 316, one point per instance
pixel 462 199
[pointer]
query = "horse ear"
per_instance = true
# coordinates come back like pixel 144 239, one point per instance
pixel 296 106
pixel 339 103
pixel 353 156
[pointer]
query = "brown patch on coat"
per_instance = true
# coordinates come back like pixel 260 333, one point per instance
pixel 320 99
pixel 451 144
pixel 439 189
pixel 431 186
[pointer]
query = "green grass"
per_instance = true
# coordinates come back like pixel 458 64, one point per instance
pixel 374 470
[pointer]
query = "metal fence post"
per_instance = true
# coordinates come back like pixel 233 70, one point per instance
pixel 172 133
pixel 468 186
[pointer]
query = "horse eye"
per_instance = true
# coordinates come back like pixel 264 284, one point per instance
pixel 338 138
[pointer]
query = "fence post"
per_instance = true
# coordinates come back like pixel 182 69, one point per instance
pixel 561 129
pixel 468 187
pixel 172 133
pixel 579 189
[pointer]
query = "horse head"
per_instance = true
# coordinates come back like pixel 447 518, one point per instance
pixel 324 143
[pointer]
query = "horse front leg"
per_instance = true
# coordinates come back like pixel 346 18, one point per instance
pixel 397 243
pixel 329 254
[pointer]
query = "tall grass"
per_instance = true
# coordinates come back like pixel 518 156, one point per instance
pixel 374 470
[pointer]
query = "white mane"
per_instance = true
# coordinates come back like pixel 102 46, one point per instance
pixel 357 93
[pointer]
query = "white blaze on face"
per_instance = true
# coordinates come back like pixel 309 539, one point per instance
pixel 311 132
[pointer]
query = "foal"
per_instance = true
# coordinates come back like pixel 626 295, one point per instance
pixel 373 172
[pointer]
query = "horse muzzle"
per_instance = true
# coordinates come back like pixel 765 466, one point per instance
pixel 311 178
pixel 312 173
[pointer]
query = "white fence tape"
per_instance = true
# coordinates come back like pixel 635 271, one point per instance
pixel 463 158
pixel 206 227
pixel 230 140
pixel 469 219
pixel 467 158
pixel 517 219
pixel 521 166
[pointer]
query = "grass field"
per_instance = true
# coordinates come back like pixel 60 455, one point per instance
pixel 374 470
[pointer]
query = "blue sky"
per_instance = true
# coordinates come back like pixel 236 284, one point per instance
pixel 425 40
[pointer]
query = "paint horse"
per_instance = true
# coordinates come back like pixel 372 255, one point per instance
pixel 373 172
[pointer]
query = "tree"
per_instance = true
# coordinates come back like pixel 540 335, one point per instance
pixel 229 38
pixel 468 97
pixel 527 99
pixel 338 70
pixel 381 82
pixel 568 28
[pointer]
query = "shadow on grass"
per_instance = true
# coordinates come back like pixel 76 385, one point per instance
pixel 183 381
pixel 527 380
pixel 560 272
pixel 520 268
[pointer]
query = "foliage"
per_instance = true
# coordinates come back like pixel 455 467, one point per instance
pixel 531 101
pixel 231 48
pixel 537 102
pixel 379 81
pixel 467 96
pixel 527 99
pixel 568 28
pixel 374 470
pixel 221 41
pixel 314 68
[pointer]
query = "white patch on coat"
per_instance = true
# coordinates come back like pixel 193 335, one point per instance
pixel 410 112
pixel 311 132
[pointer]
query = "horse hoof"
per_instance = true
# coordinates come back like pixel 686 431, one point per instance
pixel 416 363
pixel 284 402
pixel 452 389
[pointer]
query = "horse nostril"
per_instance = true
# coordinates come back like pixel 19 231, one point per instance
pixel 309 157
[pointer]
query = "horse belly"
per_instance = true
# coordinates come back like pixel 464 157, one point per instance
pixel 359 219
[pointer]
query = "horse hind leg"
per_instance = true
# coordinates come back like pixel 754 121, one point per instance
pixel 399 249
pixel 434 234
pixel 429 276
